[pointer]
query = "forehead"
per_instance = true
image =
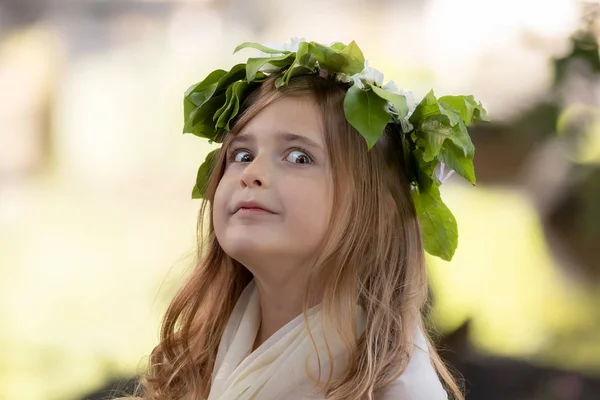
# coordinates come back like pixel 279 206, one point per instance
pixel 298 114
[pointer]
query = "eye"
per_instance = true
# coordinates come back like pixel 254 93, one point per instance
pixel 299 157
pixel 242 156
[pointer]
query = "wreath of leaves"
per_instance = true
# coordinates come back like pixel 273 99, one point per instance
pixel 439 125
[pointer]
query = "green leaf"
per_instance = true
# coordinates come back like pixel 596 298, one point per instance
pixel 356 59
pixel 254 64
pixel 456 108
pixel 328 58
pixel 424 171
pixel 223 79
pixel 398 100
pixel 338 46
pixel 225 106
pixel 366 112
pixel 438 225
pixel 470 110
pixel 235 74
pixel 229 110
pixel 196 194
pixel 205 87
pixel 201 121
pixel 452 114
pixel 292 72
pixel 455 159
pixel 348 59
pixel 427 107
pixel 239 92
pixel 304 57
pixel 203 175
pixel 260 47
pixel 460 137
pixel 431 134
pixel 198 94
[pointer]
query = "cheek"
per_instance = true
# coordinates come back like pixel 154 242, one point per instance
pixel 310 209
pixel 219 208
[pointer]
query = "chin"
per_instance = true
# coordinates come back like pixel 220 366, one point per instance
pixel 246 249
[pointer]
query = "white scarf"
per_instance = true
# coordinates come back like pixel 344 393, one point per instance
pixel 276 369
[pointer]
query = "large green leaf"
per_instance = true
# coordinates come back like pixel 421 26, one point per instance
pixel 254 64
pixel 328 58
pixel 227 105
pixel 398 100
pixel 339 46
pixel 427 107
pixel 438 225
pixel 206 88
pixel 304 57
pixel 356 59
pixel 198 94
pixel 469 109
pixel 236 73
pixel 203 175
pixel 430 106
pixel 260 47
pixel 454 157
pixel 348 60
pixel 460 137
pixel 239 92
pixel 201 121
pixel 435 122
pixel 366 112
pixel 431 134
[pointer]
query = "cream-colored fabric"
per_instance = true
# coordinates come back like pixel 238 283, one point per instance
pixel 276 370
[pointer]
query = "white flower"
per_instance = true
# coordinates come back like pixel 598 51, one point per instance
pixel 293 44
pixel 357 79
pixel 369 75
pixel 391 87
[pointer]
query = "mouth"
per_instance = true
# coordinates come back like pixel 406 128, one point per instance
pixel 251 207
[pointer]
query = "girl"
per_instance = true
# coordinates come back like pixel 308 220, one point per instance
pixel 311 276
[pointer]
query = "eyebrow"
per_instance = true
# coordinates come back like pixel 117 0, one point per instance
pixel 285 136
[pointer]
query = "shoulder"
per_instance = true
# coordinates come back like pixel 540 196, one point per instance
pixel 419 380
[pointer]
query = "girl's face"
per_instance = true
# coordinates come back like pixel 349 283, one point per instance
pixel 273 202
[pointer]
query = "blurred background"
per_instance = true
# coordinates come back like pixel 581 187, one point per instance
pixel 97 227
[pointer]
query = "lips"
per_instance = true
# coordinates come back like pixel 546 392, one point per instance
pixel 251 206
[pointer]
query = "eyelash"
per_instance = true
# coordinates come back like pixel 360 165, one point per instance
pixel 234 152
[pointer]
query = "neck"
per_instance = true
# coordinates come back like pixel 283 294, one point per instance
pixel 280 302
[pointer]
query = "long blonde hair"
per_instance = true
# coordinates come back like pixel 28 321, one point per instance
pixel 372 256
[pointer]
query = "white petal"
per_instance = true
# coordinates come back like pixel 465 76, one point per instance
pixel 391 87
pixel 377 77
pixel 358 81
pixel 293 44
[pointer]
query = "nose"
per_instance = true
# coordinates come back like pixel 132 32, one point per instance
pixel 256 174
